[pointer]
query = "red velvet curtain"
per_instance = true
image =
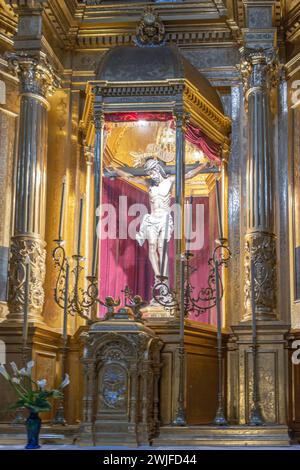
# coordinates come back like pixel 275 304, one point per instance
pixel 213 235
pixel 199 139
pixel 132 117
pixel 123 261
pixel 199 277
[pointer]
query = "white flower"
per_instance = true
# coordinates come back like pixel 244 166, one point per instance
pixel 14 367
pixel 15 380
pixel 27 371
pixel 4 372
pixel 42 383
pixel 65 382
pixel 30 365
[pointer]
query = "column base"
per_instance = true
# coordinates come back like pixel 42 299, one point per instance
pixel 272 364
pixel 27 250
pixel 264 317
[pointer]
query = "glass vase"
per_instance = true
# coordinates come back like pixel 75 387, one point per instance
pixel 33 426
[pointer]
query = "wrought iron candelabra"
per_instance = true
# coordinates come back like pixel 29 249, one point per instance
pixel 208 298
pixel 76 300
pixel 80 301
pixel 163 294
pixel 73 299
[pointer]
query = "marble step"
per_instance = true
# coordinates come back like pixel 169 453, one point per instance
pixel 11 434
pixel 267 435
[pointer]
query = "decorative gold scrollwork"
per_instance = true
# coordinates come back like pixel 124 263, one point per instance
pixel 22 247
pixel 151 30
pixel 261 249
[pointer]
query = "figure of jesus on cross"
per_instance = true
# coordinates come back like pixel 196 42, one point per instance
pixel 158 225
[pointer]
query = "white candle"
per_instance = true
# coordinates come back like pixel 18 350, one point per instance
pixel 80 226
pixel 190 222
pixel 165 246
pixel 219 210
pixel 66 301
pixel 26 299
pixel 95 255
pixel 253 298
pixel 62 209
pixel 218 302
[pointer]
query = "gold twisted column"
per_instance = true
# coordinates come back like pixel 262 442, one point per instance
pixel 37 82
pixel 259 70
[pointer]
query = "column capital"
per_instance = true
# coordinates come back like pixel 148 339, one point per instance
pixel 259 69
pixel 35 72
pixel 26 4
pixel 225 151
pixel 89 154
pixel 181 118
pixel 99 119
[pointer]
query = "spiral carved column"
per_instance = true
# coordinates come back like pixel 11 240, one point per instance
pixel 37 82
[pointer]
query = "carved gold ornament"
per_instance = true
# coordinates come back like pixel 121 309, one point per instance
pixel 21 248
pixel 261 249
pixel 150 31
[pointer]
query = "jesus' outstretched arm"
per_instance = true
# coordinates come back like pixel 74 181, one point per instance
pixel 127 176
pixel 190 174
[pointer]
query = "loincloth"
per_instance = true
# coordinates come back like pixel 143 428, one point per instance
pixel 153 227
